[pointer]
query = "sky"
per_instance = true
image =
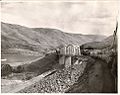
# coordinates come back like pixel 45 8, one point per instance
pixel 83 17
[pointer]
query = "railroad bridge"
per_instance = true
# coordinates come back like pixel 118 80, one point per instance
pixel 69 55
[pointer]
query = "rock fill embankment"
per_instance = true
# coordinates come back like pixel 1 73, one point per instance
pixel 60 81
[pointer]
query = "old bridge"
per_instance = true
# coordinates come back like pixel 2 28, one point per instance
pixel 69 54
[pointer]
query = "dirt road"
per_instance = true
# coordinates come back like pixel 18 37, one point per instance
pixel 96 79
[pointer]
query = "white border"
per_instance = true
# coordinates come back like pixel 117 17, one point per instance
pixel 64 1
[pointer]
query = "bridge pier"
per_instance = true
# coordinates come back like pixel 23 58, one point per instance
pixel 62 60
pixel 68 61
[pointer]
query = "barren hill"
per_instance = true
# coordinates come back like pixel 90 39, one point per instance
pixel 38 39
pixel 107 42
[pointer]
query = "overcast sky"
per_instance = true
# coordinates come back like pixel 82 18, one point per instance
pixel 86 17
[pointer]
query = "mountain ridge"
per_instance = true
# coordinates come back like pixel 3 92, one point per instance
pixel 39 39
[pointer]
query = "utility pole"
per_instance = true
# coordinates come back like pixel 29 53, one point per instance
pixel 115 64
pixel 115 36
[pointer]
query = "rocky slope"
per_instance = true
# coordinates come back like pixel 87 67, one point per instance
pixel 58 82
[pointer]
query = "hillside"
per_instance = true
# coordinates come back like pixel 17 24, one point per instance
pixel 39 39
pixel 107 42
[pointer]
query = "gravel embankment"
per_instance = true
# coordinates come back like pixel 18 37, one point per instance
pixel 60 81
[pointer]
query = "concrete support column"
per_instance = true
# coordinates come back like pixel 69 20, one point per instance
pixel 62 60
pixel 67 61
pixel 79 51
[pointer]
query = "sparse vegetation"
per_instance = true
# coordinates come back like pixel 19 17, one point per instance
pixel 6 69
pixel 18 69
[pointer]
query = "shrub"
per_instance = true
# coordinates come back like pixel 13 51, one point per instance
pixel 6 69
pixel 18 69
